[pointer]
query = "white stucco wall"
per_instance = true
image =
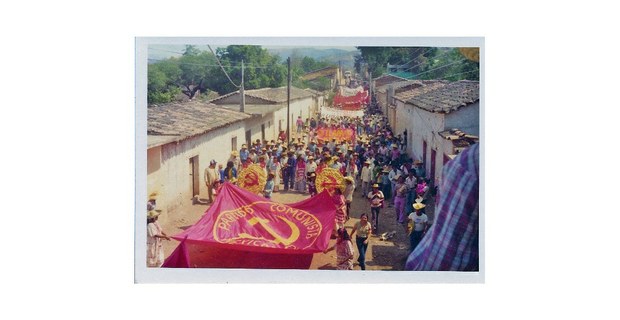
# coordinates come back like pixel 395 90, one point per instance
pixel 467 119
pixel 427 126
pixel 172 179
pixel 168 168
pixel 301 107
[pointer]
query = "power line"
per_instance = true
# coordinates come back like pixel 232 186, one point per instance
pixel 164 50
pixel 216 65
pixel 456 74
pixel 218 62
pixel 417 56
pixel 423 62
pixel 446 65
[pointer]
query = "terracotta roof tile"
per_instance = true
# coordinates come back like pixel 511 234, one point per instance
pixel 272 95
pixel 186 119
pixel 386 79
pixel 449 97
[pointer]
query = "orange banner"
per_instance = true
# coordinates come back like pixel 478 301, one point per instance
pixel 327 134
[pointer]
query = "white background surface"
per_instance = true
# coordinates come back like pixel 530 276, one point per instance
pixel 67 83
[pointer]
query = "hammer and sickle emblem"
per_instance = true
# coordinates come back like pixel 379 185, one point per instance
pixel 278 238
pixel 329 185
pixel 251 179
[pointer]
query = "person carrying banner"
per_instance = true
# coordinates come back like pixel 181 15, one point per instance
pixel 154 246
pixel 341 209
pixel 344 250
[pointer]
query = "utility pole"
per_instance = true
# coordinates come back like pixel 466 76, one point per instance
pixel 288 104
pixel 242 91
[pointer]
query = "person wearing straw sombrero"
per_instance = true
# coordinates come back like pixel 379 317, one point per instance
pixel 375 197
pixel 155 234
pixel 419 219
pixel 349 187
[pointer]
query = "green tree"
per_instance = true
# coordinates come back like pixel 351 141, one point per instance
pixel 162 81
pixel 261 68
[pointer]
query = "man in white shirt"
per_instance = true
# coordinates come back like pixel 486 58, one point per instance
pixel 366 177
pixel 420 224
pixel 311 165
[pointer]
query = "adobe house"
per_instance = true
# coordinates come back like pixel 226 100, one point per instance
pixel 182 138
pixel 269 105
pixel 454 105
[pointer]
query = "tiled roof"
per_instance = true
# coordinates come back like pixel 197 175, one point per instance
pixel 271 95
pixel 186 119
pixel 406 90
pixel 386 79
pixel 460 140
pixel 449 97
pixel 255 109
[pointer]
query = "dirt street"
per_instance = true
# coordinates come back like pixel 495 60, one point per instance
pixel 381 255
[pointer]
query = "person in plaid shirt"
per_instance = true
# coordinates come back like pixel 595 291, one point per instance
pixel 451 243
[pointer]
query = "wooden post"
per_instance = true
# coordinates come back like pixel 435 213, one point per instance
pixel 288 105
pixel 242 91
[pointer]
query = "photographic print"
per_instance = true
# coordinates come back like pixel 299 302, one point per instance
pixel 309 160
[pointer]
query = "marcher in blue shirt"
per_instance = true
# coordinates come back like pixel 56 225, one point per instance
pixel 244 153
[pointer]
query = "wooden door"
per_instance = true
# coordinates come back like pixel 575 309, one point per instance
pixel 433 163
pixel 248 138
pixel 424 152
pixel 194 176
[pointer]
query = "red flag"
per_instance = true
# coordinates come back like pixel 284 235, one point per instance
pixel 179 258
pixel 241 220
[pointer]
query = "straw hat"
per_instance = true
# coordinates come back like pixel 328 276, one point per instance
pixel 418 205
pixel 235 153
pixel 349 178
pixel 375 185
pixel 153 196
pixel 152 214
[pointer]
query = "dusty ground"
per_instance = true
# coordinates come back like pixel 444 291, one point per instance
pixel 381 255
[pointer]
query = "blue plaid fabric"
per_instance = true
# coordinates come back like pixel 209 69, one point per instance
pixel 451 244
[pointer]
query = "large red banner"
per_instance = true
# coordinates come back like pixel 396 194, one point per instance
pixel 360 98
pixel 327 134
pixel 241 220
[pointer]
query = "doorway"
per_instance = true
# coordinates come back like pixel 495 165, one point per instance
pixel 194 175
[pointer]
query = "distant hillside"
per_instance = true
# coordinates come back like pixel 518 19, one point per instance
pixel 330 54
pixel 345 55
